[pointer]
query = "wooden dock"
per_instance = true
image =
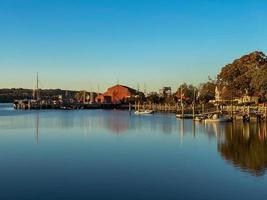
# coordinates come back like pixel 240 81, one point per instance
pixel 244 113
pixel 43 105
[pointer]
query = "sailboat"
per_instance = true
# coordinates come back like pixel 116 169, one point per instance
pixel 143 112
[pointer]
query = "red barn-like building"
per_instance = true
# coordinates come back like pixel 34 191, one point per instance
pixel 117 94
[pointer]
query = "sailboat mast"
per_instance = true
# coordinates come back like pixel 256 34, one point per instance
pixel 181 98
pixel 37 87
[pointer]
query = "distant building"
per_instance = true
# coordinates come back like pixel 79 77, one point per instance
pixel 165 92
pixel 248 99
pixel 117 94
pixel 217 95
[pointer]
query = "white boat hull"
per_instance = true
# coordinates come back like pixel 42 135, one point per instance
pixel 146 112
pixel 219 120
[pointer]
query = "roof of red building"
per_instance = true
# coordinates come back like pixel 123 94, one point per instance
pixel 131 90
pixel 118 92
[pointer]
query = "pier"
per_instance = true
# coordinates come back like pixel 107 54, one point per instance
pixel 44 105
pixel 244 113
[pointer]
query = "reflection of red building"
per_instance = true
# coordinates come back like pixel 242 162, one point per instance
pixel 117 124
pixel 116 94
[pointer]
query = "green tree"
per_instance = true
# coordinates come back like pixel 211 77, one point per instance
pixel 186 92
pixel 259 82
pixel 207 91
pixel 239 75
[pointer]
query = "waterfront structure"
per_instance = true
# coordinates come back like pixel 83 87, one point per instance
pixel 85 97
pixel 248 99
pixel 218 97
pixel 118 94
pixel 165 92
pixel 217 94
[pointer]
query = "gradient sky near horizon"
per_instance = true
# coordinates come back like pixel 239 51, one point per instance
pixel 79 44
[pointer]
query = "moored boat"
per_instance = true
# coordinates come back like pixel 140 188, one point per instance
pixel 218 118
pixel 200 118
pixel 145 112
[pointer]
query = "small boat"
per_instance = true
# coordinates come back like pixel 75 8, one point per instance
pixel 145 112
pixel 218 118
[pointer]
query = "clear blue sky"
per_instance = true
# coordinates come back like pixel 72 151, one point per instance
pixel 79 44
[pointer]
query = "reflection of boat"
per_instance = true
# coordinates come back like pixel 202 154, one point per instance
pixel 145 112
pixel 218 118
pixel 66 108
pixel 184 116
pixel 191 116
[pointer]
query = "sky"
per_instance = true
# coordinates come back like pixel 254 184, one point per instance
pixel 90 44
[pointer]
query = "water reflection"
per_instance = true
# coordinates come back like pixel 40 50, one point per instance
pixel 37 128
pixel 117 123
pixel 245 146
pixel 91 121
pixel 242 145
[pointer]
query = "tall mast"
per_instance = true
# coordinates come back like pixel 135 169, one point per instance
pixel 33 93
pixel 37 87
pixel 181 98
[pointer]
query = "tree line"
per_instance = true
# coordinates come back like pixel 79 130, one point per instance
pixel 9 95
pixel 244 76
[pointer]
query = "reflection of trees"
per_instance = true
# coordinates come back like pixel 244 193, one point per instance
pixel 246 147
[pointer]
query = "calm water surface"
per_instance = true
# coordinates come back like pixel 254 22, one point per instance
pixel 97 154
